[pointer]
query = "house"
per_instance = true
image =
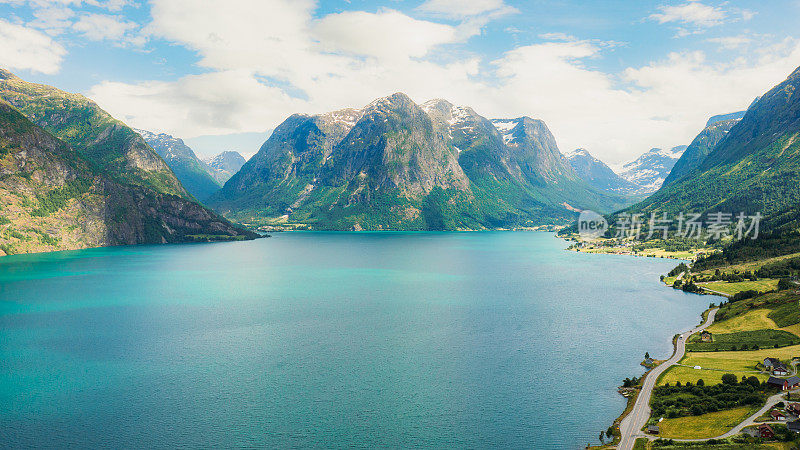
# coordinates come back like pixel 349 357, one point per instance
pixel 777 415
pixel 705 336
pixel 765 431
pixel 769 363
pixel 780 370
pixel 794 426
pixel 652 429
pixel 793 408
pixel 779 383
pixel 793 382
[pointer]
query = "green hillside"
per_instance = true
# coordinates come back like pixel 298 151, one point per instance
pixel 106 142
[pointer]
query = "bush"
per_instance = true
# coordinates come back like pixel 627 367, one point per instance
pixel 729 378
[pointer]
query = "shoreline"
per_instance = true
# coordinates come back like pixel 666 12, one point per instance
pixel 631 400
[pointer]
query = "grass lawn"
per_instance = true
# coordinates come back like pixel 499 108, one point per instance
pixel 669 280
pixel 704 426
pixel 753 320
pixel 734 288
pixel 684 374
pixel 738 363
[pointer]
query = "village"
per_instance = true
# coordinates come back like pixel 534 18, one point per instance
pixel 733 380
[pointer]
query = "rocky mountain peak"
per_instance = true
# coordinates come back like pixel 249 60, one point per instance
pixel 398 100
pixel 437 106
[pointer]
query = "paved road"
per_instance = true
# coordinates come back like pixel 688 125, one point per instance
pixel 631 425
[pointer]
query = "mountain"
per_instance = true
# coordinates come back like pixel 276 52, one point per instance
pixel 225 165
pixel 651 168
pixel 398 165
pixel 754 168
pixel 193 174
pixel 108 143
pixel 725 117
pixel 598 174
pixel 54 198
pixel 701 146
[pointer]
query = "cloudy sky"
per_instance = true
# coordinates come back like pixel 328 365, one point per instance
pixel 616 77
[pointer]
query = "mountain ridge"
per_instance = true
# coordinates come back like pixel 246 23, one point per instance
pixel 599 174
pixel 224 165
pixel 193 173
pixel 53 198
pixel 753 168
pixel 105 141
pixel 397 165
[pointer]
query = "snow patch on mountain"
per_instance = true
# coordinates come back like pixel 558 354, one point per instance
pixel 506 128
pixel 651 168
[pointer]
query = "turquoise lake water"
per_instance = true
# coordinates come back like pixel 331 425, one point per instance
pixel 328 340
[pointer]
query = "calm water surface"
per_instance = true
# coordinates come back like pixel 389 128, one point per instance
pixel 328 340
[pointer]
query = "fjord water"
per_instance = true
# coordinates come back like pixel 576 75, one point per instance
pixel 328 340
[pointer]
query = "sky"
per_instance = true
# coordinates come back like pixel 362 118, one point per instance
pixel 615 77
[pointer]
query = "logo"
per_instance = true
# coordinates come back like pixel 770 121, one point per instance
pixel 591 225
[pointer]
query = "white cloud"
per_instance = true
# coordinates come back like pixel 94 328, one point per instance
pixel 268 59
pixel 558 37
pixel 466 8
pixel 23 48
pixel 694 13
pixel 214 103
pixel 731 42
pixel 100 27
pixel 379 34
pixel 53 20
pixel 111 5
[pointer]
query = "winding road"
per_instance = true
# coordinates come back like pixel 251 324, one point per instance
pixel 631 425
pixel 772 401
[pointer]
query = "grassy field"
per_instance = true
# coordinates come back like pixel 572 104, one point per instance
pixel 734 288
pixel 770 301
pixel 748 339
pixel 793 329
pixel 704 426
pixel 739 363
pixel 684 374
pixel 669 280
pixel 644 444
pixel 753 320
pixel 660 253
pixel 786 314
pixel 751 266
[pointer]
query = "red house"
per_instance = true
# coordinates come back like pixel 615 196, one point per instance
pixel 777 415
pixel 765 431
pixel 779 383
